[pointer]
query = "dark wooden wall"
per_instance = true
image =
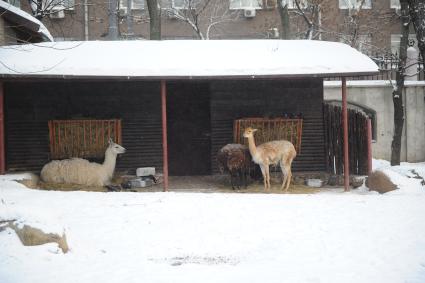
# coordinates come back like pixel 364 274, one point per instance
pixel 30 105
pixel 232 100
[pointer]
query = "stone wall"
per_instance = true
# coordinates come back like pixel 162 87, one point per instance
pixel 377 95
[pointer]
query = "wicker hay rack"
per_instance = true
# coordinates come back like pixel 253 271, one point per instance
pixel 84 138
pixel 270 129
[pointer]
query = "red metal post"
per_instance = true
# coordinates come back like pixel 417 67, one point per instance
pixel 369 146
pixel 2 136
pixel 164 133
pixel 345 129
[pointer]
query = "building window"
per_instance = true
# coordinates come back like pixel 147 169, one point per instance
pixel 16 3
pixel 355 4
pixel 135 5
pixel 292 5
pixel 245 4
pixel 184 4
pixel 57 4
pixel 395 4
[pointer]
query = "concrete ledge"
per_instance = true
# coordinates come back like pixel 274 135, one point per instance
pixel 383 83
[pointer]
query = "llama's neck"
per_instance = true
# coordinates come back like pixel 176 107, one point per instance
pixel 251 146
pixel 109 163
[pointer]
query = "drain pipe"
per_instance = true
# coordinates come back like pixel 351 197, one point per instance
pixel 86 21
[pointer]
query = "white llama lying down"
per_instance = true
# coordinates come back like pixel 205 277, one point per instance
pixel 82 172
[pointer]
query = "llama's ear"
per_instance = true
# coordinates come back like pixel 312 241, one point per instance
pixel 254 130
pixel 110 141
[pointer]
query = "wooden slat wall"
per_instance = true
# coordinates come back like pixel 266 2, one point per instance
pixel 29 106
pixel 232 100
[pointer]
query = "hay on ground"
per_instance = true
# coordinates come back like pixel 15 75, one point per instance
pixel 380 182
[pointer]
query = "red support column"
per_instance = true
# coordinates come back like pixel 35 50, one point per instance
pixel 164 133
pixel 369 146
pixel 345 130
pixel 2 136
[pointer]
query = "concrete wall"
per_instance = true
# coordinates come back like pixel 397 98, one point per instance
pixel 377 95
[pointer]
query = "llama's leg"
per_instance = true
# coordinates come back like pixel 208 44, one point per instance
pixel 284 174
pixel 238 178
pixel 232 181
pixel 244 173
pixel 263 172
pixel 267 169
pixel 288 166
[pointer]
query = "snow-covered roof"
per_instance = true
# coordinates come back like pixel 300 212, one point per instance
pixel 184 59
pixel 40 28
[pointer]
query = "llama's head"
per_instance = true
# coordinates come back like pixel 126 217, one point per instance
pixel 249 132
pixel 115 148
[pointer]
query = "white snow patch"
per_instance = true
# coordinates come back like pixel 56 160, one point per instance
pixel 196 237
pixel 205 58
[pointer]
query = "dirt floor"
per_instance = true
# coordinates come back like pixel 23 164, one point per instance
pixel 206 184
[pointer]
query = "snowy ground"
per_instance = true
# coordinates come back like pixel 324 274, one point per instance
pixel 217 237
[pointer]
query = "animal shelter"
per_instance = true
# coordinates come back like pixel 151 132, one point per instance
pixel 169 110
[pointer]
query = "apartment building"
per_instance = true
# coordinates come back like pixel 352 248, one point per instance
pixel 372 26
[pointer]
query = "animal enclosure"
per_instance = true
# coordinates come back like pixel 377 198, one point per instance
pixel 82 138
pixel 269 130
pixel 137 104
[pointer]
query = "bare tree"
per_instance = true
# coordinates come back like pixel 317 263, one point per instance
pixel 309 20
pixel 204 15
pixel 352 23
pixel 398 89
pixel 310 13
pixel 112 20
pixel 284 19
pixel 155 19
pixel 417 15
pixel 43 8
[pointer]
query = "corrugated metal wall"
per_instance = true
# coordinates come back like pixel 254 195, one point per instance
pixel 30 105
pixel 232 100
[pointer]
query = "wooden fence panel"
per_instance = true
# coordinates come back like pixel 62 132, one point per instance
pixel 357 138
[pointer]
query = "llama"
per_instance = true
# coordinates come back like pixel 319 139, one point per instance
pixel 235 159
pixel 82 172
pixel 280 152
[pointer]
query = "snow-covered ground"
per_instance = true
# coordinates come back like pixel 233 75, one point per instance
pixel 214 237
